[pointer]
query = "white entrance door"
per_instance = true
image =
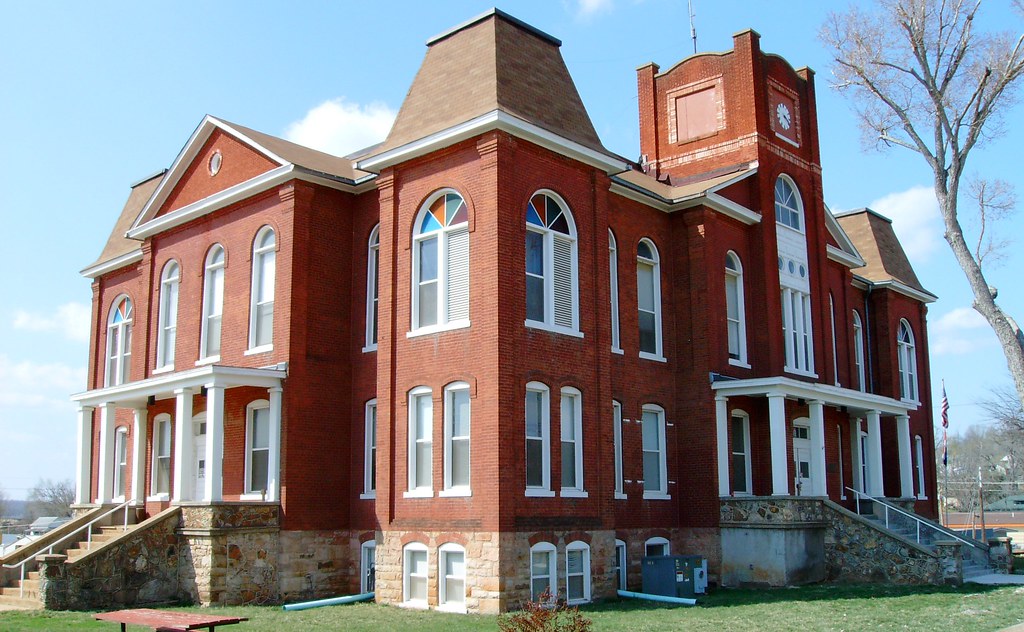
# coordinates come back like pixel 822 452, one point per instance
pixel 863 473
pixel 199 456
pixel 802 458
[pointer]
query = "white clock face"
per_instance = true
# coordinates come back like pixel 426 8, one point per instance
pixel 785 118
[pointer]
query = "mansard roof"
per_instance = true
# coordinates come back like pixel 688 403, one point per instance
pixel 876 241
pixel 118 246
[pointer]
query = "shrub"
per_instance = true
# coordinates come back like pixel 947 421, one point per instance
pixel 545 615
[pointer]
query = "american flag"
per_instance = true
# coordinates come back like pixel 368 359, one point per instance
pixel 945 425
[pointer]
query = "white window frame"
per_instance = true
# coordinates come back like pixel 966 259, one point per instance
pixel 444 599
pixel 213 302
pixel 545 438
pixel 415 488
pixel 120 456
pixel 372 289
pixel 549 236
pixel 571 433
pixel 858 351
pixel 161 452
pixel 119 359
pixel 907 356
pixel 250 414
pixel 798 332
pixel 552 567
pixel 657 541
pixel 619 564
pixel 444 291
pixel 740 414
pixel 167 319
pixel 369 450
pixel 835 350
pixel 408 576
pixel 365 566
pixel 919 453
pixel 842 476
pixel 655 266
pixel 584 549
pixel 264 266
pixel 781 208
pixel 613 276
pixel 620 490
pixel 734 283
pixel 662 492
pixel 450 488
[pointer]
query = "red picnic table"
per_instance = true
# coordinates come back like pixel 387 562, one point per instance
pixel 167 620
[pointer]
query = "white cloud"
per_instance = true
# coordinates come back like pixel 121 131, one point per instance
pixel 590 8
pixel 70 319
pixel 916 220
pixel 957 332
pixel 339 127
pixel 31 385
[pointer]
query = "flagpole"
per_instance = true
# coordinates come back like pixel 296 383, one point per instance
pixel 945 454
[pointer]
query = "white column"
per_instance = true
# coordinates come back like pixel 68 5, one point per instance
pixel 817 437
pixel 139 456
pixel 214 443
pixel 777 434
pixel 274 458
pixel 83 459
pixel 857 457
pixel 106 458
pixel 722 427
pixel 906 467
pixel 876 485
pixel 182 444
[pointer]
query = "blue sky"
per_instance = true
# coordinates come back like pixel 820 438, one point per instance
pixel 99 95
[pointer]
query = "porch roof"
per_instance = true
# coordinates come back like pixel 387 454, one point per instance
pixel 795 389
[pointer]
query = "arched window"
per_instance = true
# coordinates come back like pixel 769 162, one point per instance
pixel 161 478
pixel 440 263
pixel 213 302
pixel 789 209
pixel 261 323
pixel 571 424
pixel 414 574
pixel 657 546
pixel 456 439
pixel 452 583
pixel 654 455
pixel 538 440
pixel 552 293
pixel 734 309
pixel 907 361
pixel 619 565
pixel 858 351
pixel 367 566
pixel 577 572
pixel 613 274
pixel 119 342
pixel 543 572
pixel 421 442
pixel 372 287
pixel 167 320
pixel 648 289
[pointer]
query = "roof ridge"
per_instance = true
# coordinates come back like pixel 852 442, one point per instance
pixel 495 12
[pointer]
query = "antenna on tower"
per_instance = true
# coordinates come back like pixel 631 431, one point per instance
pixel 693 30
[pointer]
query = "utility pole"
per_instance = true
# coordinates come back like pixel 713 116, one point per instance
pixel 981 507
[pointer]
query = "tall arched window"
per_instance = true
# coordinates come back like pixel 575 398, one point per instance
pixel 372 287
pixel 858 351
pixel 261 323
pixel 789 208
pixel 648 290
pixel 552 293
pixel 794 277
pixel 907 360
pixel 734 309
pixel 119 342
pixel 440 263
pixel 613 274
pixel 168 316
pixel 213 302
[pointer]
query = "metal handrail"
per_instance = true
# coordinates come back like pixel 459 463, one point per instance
pixel 917 519
pixel 88 542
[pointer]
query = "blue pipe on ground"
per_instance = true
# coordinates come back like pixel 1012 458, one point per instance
pixel 333 601
pixel 682 601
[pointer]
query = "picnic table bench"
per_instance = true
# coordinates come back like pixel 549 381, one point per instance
pixel 166 620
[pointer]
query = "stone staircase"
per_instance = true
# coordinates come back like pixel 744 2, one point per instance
pixel 22 594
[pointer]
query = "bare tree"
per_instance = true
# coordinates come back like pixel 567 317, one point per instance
pixel 925 80
pixel 3 504
pixel 51 498
pixel 1005 410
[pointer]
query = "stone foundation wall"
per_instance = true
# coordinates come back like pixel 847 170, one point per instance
pixel 318 564
pixel 769 541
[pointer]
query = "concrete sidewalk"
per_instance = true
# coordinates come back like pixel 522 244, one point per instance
pixel 996 579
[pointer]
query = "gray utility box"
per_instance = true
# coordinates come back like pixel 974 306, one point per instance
pixel 674 575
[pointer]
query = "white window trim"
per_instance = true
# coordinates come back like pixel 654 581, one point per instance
pixel 835 351
pixel 741 329
pixel 123 353
pixel 154 495
pixel 209 269
pixel 858 351
pixel 613 276
pixel 449 489
pixel 906 352
pixel 620 493
pixel 802 329
pixel 443 236
pixel 662 492
pixel 369 449
pixel 167 319
pixel 576 424
pixel 658 540
pixel 549 236
pixel 746 454
pixel 621 561
pixel 260 254
pixel 578 545
pixel 546 547
pixel 919 453
pixel 372 279
pixel 442 584
pixel 407 575
pixel 842 476
pixel 544 490
pixel 421 491
pixel 799 204
pixel 655 263
pixel 120 477
pixel 363 548
pixel 250 410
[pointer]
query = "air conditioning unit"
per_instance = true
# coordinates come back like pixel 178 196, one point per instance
pixel 674 575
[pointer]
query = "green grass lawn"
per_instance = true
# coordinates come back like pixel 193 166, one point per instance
pixel 972 608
